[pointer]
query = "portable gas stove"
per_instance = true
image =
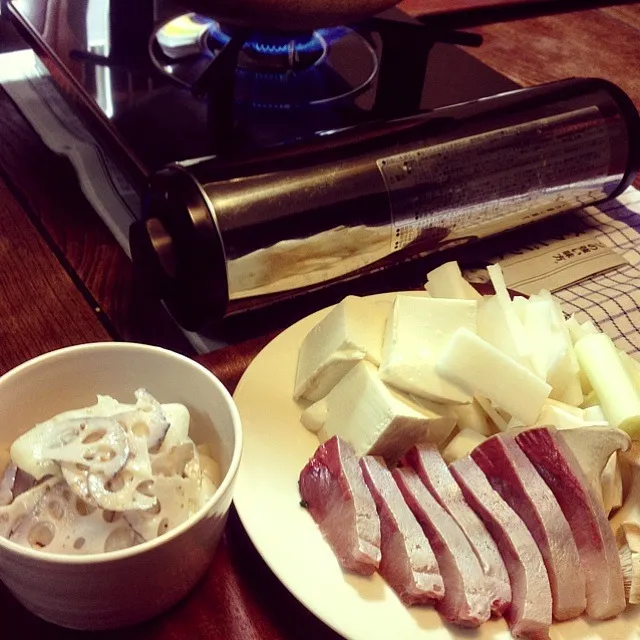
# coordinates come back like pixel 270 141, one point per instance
pixel 157 85
pixel 275 164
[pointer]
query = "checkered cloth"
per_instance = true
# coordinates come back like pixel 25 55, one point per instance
pixel 612 299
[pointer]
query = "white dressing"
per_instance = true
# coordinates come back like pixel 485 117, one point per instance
pixel 101 462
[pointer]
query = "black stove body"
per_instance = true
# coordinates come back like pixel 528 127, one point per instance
pixel 157 85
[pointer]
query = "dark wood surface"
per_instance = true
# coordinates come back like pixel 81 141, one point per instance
pixel 64 280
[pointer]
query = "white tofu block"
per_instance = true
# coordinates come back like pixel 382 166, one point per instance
pixel 446 281
pixel 479 367
pixel 462 444
pixel 352 331
pixel 417 331
pixel 376 420
pixel 315 415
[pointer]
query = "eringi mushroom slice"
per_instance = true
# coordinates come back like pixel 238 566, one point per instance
pixel 611 482
pixel 593 447
pixel 626 525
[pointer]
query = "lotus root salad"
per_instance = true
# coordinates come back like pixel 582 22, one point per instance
pixel 103 478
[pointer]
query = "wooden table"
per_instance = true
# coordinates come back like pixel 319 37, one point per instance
pixel 64 280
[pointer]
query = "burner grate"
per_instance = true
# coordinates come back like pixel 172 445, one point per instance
pixel 270 70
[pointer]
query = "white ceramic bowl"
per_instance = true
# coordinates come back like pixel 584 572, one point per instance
pixel 132 585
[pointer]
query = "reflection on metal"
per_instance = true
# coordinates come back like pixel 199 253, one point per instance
pixel 273 71
pixel 472 186
pixel 300 218
pixel 99 44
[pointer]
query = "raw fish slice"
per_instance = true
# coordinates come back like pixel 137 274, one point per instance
pixel 434 473
pixel 513 476
pixel 338 499
pixel 529 615
pixel 467 600
pixel 408 564
pixel 595 541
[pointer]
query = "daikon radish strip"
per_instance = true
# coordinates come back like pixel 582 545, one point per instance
pixel 590 400
pixel 561 323
pixel 550 346
pixel 594 413
pixel 564 379
pixel 633 368
pixel 618 396
pixel 514 423
pixel 520 304
pixel 446 281
pixel 499 421
pixel 572 388
pixel 494 328
pixel 481 368
pixel 558 418
pixel 578 330
pixel 516 329
pixel 575 330
pixel 589 327
pixel 575 411
pixel 585 386
pixel 462 444
pixel 471 416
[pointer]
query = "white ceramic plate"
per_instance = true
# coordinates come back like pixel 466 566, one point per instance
pixel 276 447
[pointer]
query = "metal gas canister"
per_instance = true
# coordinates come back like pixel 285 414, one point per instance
pixel 223 235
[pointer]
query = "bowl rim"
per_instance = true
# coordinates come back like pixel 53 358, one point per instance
pixel 149 545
